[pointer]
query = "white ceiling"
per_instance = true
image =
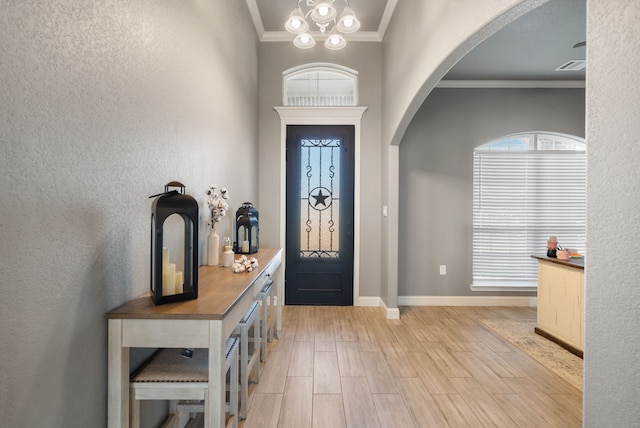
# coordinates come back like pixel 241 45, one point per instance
pixel 530 48
pixel 269 17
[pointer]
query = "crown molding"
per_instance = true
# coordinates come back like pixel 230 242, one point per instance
pixel 284 36
pixel 511 84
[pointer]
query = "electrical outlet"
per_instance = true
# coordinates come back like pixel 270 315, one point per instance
pixel 443 269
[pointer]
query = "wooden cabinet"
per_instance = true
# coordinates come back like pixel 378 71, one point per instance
pixel 561 304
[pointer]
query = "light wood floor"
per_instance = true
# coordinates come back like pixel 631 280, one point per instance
pixel 435 367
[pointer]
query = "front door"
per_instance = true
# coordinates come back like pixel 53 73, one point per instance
pixel 320 186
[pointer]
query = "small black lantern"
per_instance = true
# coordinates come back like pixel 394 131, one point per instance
pixel 247 241
pixel 174 226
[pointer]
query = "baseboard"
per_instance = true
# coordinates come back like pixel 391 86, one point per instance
pixel 368 301
pixel 374 301
pixel 390 313
pixel 467 301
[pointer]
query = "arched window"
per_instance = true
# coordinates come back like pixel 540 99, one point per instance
pixel 526 188
pixel 320 84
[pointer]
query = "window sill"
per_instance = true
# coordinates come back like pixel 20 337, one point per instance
pixel 508 287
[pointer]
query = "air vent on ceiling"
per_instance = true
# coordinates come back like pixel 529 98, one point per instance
pixel 573 65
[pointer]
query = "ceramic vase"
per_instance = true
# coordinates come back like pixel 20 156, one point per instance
pixel 213 245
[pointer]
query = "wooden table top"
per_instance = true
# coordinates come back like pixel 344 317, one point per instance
pixel 577 263
pixel 219 289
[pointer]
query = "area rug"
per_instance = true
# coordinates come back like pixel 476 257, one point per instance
pixel 557 359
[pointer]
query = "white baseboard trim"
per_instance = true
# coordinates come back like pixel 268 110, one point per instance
pixel 368 301
pixel 390 313
pixel 467 301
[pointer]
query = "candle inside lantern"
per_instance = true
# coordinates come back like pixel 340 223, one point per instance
pixel 245 246
pixel 169 279
pixel 179 289
pixel 168 274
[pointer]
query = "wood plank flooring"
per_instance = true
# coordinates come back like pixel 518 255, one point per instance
pixel 435 367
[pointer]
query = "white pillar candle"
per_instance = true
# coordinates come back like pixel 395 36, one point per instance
pixel 169 279
pixel 179 283
pixel 245 246
pixel 165 256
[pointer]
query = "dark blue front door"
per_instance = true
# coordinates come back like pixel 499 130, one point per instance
pixel 319 253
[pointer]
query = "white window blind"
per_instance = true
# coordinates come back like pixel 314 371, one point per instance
pixel 520 198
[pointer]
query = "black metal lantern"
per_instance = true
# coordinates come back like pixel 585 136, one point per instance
pixel 247 241
pixel 174 246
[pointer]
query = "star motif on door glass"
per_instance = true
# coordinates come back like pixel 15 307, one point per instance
pixel 320 198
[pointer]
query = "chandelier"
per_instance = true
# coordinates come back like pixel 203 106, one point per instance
pixel 323 14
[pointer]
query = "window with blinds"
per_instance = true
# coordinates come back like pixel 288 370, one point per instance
pixel 526 187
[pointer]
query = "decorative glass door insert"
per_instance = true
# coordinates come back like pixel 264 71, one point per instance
pixel 320 198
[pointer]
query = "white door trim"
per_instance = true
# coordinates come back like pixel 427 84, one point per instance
pixel 324 116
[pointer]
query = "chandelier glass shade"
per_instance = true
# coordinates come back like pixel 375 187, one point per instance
pixel 324 15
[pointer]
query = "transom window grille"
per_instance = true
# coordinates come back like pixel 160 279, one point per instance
pixel 526 188
pixel 320 198
pixel 320 85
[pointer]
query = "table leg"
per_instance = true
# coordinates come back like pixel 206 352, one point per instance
pixel 279 298
pixel 214 413
pixel 118 378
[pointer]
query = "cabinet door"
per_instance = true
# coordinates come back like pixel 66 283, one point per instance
pixel 546 305
pixel 560 302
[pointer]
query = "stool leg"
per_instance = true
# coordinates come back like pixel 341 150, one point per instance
pixel 173 410
pixel 265 325
pixel 206 408
pixel 257 345
pixel 233 391
pixel 272 308
pixel 134 409
pixel 244 368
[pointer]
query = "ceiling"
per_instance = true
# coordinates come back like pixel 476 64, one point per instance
pixel 530 48
pixel 374 16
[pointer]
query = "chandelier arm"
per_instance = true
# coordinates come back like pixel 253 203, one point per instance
pixel 337 26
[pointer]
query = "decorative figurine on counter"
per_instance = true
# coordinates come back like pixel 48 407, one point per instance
pixel 552 246
pixel 244 264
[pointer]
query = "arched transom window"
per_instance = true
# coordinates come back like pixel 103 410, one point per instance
pixel 320 84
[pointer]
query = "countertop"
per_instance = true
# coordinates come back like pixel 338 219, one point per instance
pixel 219 289
pixel 577 263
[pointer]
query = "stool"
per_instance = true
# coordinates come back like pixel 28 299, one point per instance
pixel 268 317
pixel 168 375
pixel 249 353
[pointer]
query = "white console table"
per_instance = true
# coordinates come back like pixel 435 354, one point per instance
pixel 206 322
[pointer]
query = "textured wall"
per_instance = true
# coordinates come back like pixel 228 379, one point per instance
pixel 437 33
pixel 423 41
pixel 436 174
pixel 102 103
pixel 612 296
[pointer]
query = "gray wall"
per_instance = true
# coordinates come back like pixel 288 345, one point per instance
pixel 365 58
pixel 102 103
pixel 612 294
pixel 436 175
